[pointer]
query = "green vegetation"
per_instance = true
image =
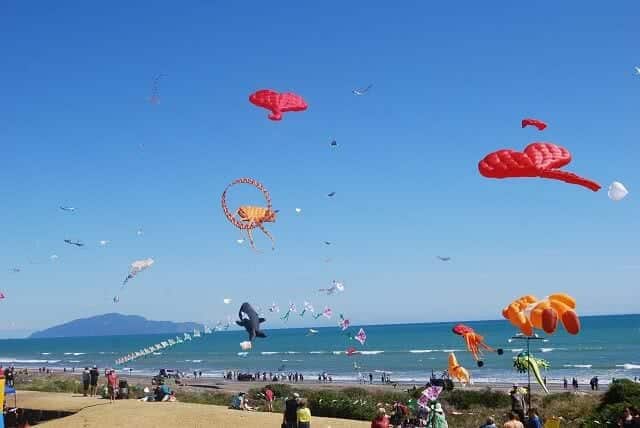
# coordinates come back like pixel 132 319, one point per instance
pixel 464 408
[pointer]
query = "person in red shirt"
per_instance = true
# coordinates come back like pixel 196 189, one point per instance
pixel 381 420
pixel 268 395
pixel 112 384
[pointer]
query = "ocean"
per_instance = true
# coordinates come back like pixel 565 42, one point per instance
pixel 608 346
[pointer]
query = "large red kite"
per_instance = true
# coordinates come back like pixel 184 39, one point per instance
pixel 278 103
pixel 538 160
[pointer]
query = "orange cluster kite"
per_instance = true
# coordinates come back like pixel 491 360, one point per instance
pixel 528 313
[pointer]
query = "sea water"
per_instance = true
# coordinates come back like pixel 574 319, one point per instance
pixel 607 346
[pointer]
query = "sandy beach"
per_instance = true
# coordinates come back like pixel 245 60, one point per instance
pixel 93 412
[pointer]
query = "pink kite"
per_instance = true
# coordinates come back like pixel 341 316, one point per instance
pixel 361 337
pixel 430 394
pixel 351 351
pixel 538 160
pixel 344 323
pixel 278 103
pixel 1 295
pixel 534 122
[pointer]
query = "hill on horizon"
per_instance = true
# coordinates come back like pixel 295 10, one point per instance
pixel 114 324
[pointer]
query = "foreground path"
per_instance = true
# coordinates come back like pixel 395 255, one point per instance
pixel 132 413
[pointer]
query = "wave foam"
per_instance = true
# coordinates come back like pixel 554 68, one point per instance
pixel 371 352
pixel 579 366
pixel 629 366
pixel 420 351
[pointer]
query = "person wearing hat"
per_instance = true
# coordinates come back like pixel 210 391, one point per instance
pixel 438 419
pixel 94 374
pixel 381 420
pixel 290 415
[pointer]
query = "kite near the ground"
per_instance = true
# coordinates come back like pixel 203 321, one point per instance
pixel 534 122
pixel 617 191
pixel 250 216
pixel 538 160
pixel 137 267
pixel 76 243
pixel 525 362
pixel 362 91
pixel 456 371
pixel 474 342
pixel 361 336
pixel 527 313
pixel 278 103
pixel 70 209
pixel 249 319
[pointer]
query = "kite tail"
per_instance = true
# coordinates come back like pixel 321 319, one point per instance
pixel 533 365
pixel 233 219
pixel 570 177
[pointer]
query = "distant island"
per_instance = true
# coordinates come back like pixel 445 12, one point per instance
pixel 114 325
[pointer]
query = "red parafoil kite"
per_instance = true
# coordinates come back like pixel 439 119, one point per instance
pixel 277 102
pixel 534 122
pixel 474 342
pixel 538 160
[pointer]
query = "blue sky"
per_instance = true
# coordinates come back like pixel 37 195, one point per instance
pixel 451 84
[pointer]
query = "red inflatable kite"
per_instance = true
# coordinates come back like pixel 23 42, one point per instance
pixel 538 160
pixel 534 122
pixel 278 103
pixel 474 342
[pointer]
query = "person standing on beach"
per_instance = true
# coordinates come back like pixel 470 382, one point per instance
pixel 94 374
pixel 303 414
pixel 86 378
pixel 290 416
pixel 566 383
pixel 112 385
pixel 517 403
pixel 370 378
pixel 268 395
pixel 513 422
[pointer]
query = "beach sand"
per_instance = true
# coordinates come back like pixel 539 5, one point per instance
pixel 93 412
